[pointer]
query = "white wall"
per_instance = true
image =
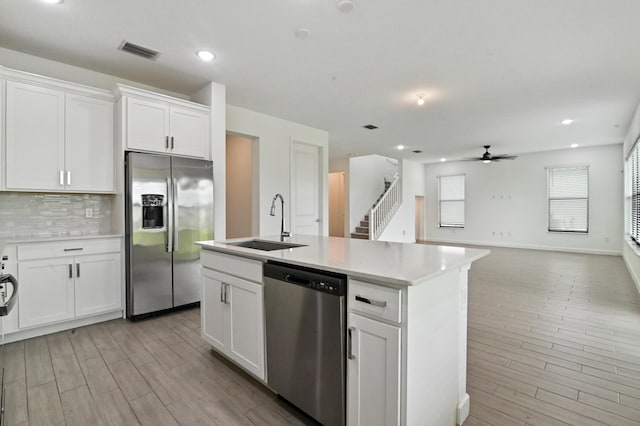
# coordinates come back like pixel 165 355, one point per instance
pixel 36 65
pixel 366 182
pixel 274 139
pixel 510 199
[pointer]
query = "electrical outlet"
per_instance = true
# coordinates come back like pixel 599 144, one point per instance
pixel 88 212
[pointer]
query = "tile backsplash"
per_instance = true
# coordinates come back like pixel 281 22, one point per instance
pixel 40 215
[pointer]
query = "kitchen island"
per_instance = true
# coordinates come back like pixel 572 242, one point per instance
pixel 406 316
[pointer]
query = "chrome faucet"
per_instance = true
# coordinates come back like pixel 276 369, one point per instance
pixel 272 212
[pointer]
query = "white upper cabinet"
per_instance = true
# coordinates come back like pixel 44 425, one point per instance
pixel 35 137
pixel 59 137
pixel 162 124
pixel 89 144
pixel 147 125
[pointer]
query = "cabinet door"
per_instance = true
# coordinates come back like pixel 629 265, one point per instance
pixel 34 137
pixel 98 285
pixel 46 291
pixel 246 341
pixel 89 144
pixel 190 132
pixel 373 373
pixel 147 125
pixel 214 311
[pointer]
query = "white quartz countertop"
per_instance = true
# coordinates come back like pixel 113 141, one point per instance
pixel 394 263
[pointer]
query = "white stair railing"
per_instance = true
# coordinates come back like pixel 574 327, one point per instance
pixel 383 211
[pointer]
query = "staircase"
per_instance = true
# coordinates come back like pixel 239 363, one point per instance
pixel 362 231
pixel 384 207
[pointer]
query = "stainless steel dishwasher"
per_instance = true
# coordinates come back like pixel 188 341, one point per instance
pixel 305 323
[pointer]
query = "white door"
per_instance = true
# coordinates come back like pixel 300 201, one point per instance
pixel 246 340
pixel 147 125
pixel 46 293
pixel 189 132
pixel 373 373
pixel 306 189
pixel 89 144
pixel 214 310
pixel 97 286
pixel 34 137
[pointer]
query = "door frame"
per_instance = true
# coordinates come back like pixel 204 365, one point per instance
pixel 323 180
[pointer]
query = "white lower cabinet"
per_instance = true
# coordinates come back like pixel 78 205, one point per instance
pixel 55 287
pixel 233 320
pixel 46 292
pixel 373 372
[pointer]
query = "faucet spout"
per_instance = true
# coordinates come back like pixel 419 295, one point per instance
pixel 272 212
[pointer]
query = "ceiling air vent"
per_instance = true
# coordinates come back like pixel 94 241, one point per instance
pixel 139 50
pixel 370 127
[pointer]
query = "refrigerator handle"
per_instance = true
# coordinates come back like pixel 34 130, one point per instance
pixel 176 215
pixel 169 213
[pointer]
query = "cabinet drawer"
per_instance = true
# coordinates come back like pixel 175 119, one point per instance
pixel 379 301
pixel 233 265
pixel 67 248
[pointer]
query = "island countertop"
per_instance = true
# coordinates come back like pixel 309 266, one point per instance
pixel 400 264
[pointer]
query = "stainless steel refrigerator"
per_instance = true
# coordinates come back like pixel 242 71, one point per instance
pixel 169 206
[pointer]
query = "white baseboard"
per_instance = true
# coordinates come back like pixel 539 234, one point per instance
pixel 526 246
pixel 462 409
pixel 54 328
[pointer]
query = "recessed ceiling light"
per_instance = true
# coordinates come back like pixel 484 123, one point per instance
pixel 346 6
pixel 53 1
pixel 442 160
pixel 566 121
pixel 574 145
pixel 205 55
pixel 302 33
pixel 420 99
pixel 400 147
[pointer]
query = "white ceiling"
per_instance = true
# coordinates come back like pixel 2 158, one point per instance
pixel 499 72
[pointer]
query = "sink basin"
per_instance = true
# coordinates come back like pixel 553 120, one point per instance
pixel 265 245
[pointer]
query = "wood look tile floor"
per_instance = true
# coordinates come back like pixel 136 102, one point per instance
pixel 554 339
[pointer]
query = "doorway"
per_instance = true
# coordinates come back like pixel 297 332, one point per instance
pixel 241 185
pixel 336 204
pixel 420 218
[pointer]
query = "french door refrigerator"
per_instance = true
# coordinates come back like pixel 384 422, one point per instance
pixel 169 206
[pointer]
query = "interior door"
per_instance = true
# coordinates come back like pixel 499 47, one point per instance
pixel 306 189
pixel 192 182
pixel 149 267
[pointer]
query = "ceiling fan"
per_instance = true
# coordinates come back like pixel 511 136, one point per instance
pixel 487 157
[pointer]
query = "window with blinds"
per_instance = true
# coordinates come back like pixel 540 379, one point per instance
pixel 568 199
pixel 634 227
pixel 451 201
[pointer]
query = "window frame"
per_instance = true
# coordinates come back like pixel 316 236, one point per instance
pixel 549 170
pixel 440 200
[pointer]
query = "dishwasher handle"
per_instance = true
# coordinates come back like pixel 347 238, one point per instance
pixel 295 280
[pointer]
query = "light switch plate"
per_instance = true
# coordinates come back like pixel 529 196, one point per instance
pixel 88 212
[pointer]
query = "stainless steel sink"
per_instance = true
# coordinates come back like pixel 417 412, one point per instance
pixel 265 245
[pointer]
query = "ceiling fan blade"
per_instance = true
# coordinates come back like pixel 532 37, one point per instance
pixel 504 157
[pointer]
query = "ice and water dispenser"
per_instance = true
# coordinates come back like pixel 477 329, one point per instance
pixel 152 211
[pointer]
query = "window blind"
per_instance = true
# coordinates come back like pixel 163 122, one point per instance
pixel 635 194
pixel 568 199
pixel 451 201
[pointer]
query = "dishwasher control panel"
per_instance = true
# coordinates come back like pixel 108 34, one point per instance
pixel 323 281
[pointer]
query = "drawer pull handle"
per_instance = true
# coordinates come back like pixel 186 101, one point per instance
pixel 73 249
pixel 378 303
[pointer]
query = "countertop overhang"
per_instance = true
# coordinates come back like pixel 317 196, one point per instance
pixel 402 264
